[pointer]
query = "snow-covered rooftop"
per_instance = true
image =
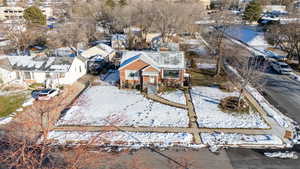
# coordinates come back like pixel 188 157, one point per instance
pixel 39 63
pixel 121 37
pixel 100 51
pixel 162 59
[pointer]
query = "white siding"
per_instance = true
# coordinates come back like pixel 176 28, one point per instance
pixel 7 76
pixel 39 77
pixel 74 72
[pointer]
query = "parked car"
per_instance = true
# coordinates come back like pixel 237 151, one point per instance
pixel 44 94
pixel 281 67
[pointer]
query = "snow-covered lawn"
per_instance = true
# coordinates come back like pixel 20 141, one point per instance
pixel 249 35
pixel 206 102
pixel 102 105
pixel 273 112
pixel 176 96
pixel 118 138
pixel 236 138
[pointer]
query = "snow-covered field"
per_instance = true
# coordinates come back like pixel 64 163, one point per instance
pixel 175 96
pixel 206 102
pixel 236 139
pixel 118 138
pixel 249 35
pixel 103 105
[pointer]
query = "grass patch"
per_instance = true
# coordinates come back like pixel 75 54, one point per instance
pixel 9 104
pixel 167 89
pixel 36 85
pixel 206 77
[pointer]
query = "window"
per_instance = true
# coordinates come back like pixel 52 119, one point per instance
pixel 80 69
pixel 171 74
pixel 152 79
pixel 27 75
pixel 48 75
pixel 132 75
pixel 18 76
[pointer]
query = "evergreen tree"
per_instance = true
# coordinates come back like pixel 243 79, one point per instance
pixel 34 15
pixel 252 11
pixel 110 3
pixel 122 3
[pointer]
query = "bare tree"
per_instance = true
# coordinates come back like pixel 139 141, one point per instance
pixel 22 36
pixel 25 144
pixel 73 35
pixel 221 24
pixel 287 38
pixel 245 71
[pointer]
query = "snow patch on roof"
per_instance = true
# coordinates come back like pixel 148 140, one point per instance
pixel 100 51
pixel 163 59
pixel 39 63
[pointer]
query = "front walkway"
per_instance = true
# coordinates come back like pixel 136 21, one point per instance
pixel 192 129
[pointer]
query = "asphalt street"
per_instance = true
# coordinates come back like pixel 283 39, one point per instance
pixel 254 159
pixel 181 158
pixel 283 93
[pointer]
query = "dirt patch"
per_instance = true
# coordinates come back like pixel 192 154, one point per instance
pixel 231 104
pixel 227 87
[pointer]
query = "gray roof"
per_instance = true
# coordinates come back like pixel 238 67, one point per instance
pixel 4 64
pixel 40 63
pixel 162 59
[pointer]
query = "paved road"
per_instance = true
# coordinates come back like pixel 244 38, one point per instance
pixel 254 159
pixel 283 92
pixel 180 158
pixel 169 159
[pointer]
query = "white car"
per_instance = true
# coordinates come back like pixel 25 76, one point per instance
pixel 281 67
pixel 47 94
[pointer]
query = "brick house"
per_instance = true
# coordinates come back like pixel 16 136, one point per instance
pixel 149 69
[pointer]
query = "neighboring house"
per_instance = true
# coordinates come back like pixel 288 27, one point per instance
pixel 99 52
pixel 148 69
pixel 98 57
pixel 51 71
pixel 16 12
pixel 276 9
pixel 119 41
pixel 158 45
